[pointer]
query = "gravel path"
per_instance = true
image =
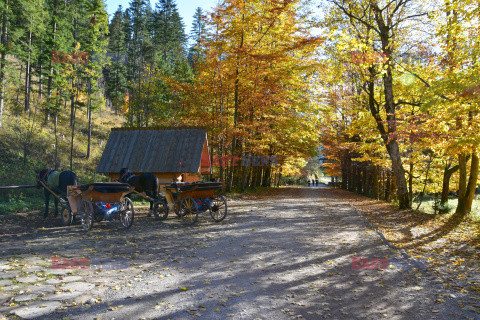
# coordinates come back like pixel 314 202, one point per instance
pixel 284 257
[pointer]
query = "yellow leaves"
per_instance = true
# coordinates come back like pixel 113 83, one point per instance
pixel 270 72
pixel 459 261
pixel 159 305
pixel 111 308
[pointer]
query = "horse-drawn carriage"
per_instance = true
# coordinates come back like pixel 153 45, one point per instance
pixel 187 200
pixel 110 200
pixel 99 201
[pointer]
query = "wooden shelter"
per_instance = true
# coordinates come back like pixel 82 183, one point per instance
pixel 172 154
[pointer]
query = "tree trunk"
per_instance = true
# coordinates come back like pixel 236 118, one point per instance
pixel 234 139
pixel 472 183
pixel 393 187
pixel 73 108
pixel 220 162
pixel 28 71
pixel 279 177
pixel 447 174
pixel 266 177
pixel 375 189
pixel 40 84
pixel 390 140
pixel 50 76
pixel 410 183
pixel 425 183
pixel 235 117
pixel 465 204
pixel 244 178
pixel 462 182
pixel 89 137
pixel 56 162
pixel 368 187
pixel 387 187
pixel 344 172
pixel 17 98
pixel 3 60
pixel 358 179
pixel 351 177
pixel 89 114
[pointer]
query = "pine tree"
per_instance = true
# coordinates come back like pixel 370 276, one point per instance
pixel 96 44
pixel 197 36
pixel 169 37
pixel 139 57
pixel 139 45
pixel 5 15
pixel 116 72
pixel 117 38
pixel 30 23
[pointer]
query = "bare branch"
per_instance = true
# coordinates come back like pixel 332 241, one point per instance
pixel 353 16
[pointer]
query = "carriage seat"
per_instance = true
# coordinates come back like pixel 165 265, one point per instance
pixel 199 185
pixel 106 187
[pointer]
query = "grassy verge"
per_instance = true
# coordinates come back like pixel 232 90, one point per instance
pixel 427 206
pixel 29 143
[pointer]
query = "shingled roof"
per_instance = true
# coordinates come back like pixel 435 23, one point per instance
pixel 153 150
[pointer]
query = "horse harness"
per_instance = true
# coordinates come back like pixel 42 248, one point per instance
pixel 45 176
pixel 51 179
pixel 129 176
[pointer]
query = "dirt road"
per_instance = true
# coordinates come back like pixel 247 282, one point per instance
pixel 303 254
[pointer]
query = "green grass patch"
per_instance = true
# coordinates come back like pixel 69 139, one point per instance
pixel 427 206
pixel 20 202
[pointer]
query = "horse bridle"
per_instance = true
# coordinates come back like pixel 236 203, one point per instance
pixel 45 176
pixel 128 178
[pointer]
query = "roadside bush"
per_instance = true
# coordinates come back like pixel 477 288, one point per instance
pixel 441 208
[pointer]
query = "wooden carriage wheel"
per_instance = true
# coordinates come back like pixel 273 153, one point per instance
pixel 188 211
pixel 127 213
pixel 66 215
pixel 160 210
pixel 218 208
pixel 87 213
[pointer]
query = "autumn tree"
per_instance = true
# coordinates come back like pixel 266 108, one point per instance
pixel 380 26
pixel 254 89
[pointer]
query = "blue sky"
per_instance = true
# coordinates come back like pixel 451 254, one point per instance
pixel 186 8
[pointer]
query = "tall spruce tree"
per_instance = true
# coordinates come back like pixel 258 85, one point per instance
pixel 57 47
pixel 169 37
pixel 5 14
pixel 139 56
pixel 197 36
pixel 95 43
pixel 29 24
pixel 140 41
pixel 116 72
